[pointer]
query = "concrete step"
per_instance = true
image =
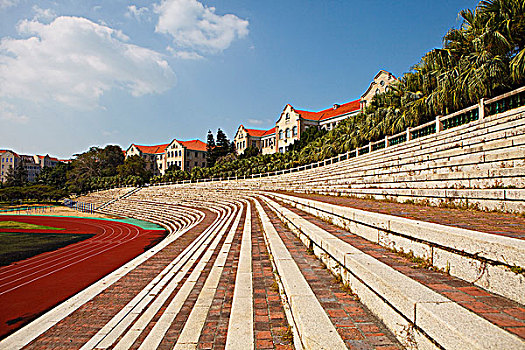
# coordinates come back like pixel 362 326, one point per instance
pixel 410 308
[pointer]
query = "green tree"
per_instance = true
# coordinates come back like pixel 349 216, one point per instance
pixel 17 175
pixel 250 151
pixel 54 176
pixel 210 150
pixel 223 144
pixel 109 159
pixel 134 166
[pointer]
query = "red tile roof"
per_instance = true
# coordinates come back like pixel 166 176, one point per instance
pixel 269 132
pixel 331 112
pixel 255 132
pixel 258 132
pixel 155 149
pixel 194 145
pixel 8 150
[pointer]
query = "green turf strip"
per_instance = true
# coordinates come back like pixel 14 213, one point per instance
pixel 25 226
pixel 19 246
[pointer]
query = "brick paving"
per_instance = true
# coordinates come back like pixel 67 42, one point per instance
pixel 503 224
pixel 215 328
pixel 270 325
pixel 498 310
pixel 173 333
pixel 75 330
pixel 358 327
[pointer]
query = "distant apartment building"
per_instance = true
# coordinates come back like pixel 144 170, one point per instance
pixel 185 155
pixel 32 164
pixel 292 122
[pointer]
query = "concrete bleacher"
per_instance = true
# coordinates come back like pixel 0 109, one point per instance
pixel 479 164
pixel 401 280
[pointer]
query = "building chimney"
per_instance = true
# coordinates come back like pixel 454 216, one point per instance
pixel 336 106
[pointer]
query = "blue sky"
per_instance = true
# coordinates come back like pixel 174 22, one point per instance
pixel 80 73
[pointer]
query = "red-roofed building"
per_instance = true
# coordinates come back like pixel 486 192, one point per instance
pixel 184 154
pixel 292 122
pixel 152 155
pixel 262 139
pixel 32 164
pixel 380 84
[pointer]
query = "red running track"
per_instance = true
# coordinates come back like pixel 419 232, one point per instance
pixel 32 286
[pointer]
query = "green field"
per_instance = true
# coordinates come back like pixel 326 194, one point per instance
pixel 25 226
pixel 19 246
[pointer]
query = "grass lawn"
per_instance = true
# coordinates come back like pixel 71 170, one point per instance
pixel 19 246
pixel 24 226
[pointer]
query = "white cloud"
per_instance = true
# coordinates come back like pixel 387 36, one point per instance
pixel 255 121
pixel 8 113
pixel 138 13
pixel 75 61
pixel 46 14
pixel 258 121
pixel 184 55
pixel 8 3
pixel 195 26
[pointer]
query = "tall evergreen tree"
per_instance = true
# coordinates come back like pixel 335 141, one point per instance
pixel 210 149
pixel 223 144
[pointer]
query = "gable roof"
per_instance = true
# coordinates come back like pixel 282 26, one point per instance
pixel 269 132
pixel 154 149
pixel 328 113
pixel 373 83
pixel 194 145
pixel 257 132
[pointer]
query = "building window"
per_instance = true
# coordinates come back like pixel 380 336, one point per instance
pixel 287 133
pixel 295 131
pixel 280 134
pixel 287 116
pixel 382 83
